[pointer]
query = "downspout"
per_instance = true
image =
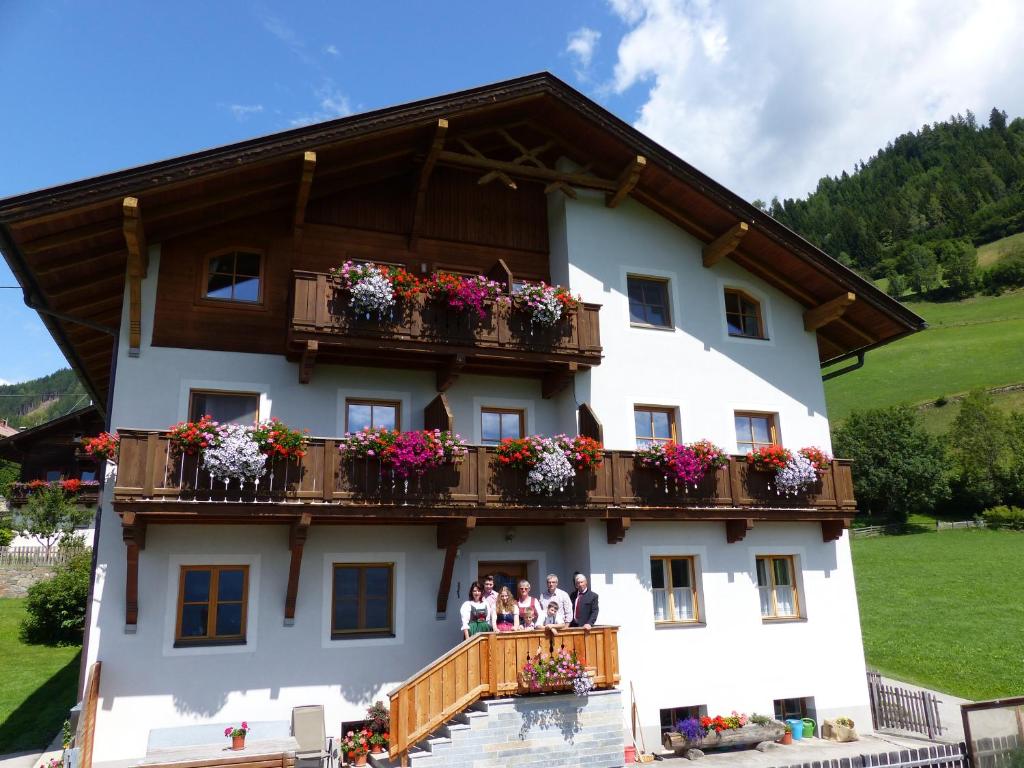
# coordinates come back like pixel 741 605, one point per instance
pixel 859 364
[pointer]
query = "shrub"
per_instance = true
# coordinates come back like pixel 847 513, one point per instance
pixel 941 401
pixel 1004 517
pixel 6 536
pixel 56 607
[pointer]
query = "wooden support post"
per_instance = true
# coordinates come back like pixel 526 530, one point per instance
pixel 297 533
pixel 617 527
pixel 420 197
pixel 138 266
pixel 330 468
pixel 308 361
pixel 588 423
pixel 302 198
pixel 627 180
pixel 557 380
pixel 725 244
pixel 832 530
pixel 450 536
pixel 827 312
pixel 736 530
pixel 448 373
pixel 133 533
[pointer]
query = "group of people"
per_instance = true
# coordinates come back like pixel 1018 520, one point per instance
pixel 490 610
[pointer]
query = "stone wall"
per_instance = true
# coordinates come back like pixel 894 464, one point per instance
pixel 16 578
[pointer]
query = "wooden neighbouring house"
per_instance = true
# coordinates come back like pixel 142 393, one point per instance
pixel 202 284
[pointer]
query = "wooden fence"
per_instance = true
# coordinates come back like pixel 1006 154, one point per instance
pixel 895 529
pixel 34 555
pixel 902 709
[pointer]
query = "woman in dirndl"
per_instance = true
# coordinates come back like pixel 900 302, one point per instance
pixel 477 613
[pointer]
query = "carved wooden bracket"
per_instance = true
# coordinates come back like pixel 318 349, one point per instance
pixel 438 415
pixel 297 534
pixel 305 184
pixel 617 527
pixel 138 266
pixel 827 312
pixel 724 244
pixel 450 536
pixel 832 530
pixel 133 532
pixel 557 380
pixel 423 180
pixel 736 530
pixel 308 361
pixel 627 180
pixel 448 373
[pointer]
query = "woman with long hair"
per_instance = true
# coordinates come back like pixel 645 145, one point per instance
pixel 477 613
pixel 506 611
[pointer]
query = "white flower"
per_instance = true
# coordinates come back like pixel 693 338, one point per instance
pixel 797 476
pixel 236 456
pixel 552 472
pixel 372 295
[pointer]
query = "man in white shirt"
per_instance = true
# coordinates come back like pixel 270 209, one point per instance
pixel 560 597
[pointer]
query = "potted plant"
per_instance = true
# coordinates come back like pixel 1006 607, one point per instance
pixel 787 737
pixel 237 735
pixel 378 718
pixel 379 742
pixel 355 746
pixel 839 729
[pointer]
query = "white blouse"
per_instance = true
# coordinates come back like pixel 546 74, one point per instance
pixel 469 605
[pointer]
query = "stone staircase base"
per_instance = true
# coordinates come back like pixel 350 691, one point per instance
pixel 550 730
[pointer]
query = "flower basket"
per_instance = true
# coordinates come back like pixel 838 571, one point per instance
pixel 748 735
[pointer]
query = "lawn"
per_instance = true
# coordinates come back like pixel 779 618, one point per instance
pixel 38 688
pixel 990 253
pixel 939 420
pixel 974 343
pixel 944 610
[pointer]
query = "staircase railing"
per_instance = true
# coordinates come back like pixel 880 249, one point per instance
pixel 488 665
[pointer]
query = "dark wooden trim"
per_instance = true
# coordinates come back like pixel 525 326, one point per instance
pixel 450 536
pixel 616 528
pixel 302 197
pixel 627 180
pixel 297 534
pixel 724 244
pixel 438 415
pixel 832 530
pixel 736 530
pixel 133 533
pixel 558 379
pixel 448 372
pixel 588 423
pixel 423 180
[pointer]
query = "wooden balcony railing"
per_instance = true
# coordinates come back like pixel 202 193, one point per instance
pixel 150 470
pixel 18 496
pixel 489 665
pixel 423 331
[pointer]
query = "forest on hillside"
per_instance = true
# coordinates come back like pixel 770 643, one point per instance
pixel 30 403
pixel 916 211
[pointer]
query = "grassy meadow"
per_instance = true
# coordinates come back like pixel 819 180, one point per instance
pixel 990 253
pixel 943 610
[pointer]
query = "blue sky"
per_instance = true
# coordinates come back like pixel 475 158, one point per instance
pixel 765 97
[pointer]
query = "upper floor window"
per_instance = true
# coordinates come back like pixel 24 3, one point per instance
pixel 225 407
pixel 212 603
pixel 648 301
pixel 234 276
pixel 776 583
pixel 674 589
pixel 362 599
pixel 372 414
pixel 755 430
pixel 497 424
pixel 743 315
pixel 653 425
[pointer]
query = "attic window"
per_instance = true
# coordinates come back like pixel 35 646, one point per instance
pixel 234 276
pixel 743 314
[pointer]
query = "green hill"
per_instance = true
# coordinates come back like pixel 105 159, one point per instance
pixel 29 403
pixel 990 253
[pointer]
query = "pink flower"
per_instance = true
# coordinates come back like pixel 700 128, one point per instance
pixel 245 725
pixel 227 731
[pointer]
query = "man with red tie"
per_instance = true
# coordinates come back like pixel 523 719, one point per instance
pixel 584 604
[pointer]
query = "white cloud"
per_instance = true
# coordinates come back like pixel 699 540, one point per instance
pixel 242 112
pixel 332 104
pixel 332 50
pixel 581 46
pixel 768 97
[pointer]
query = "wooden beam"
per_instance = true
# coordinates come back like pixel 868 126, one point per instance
pixel 585 181
pixel 138 266
pixel 832 530
pixel 724 244
pixel 448 373
pixel 420 200
pixel 52 266
pixel 450 536
pixel 588 423
pixel 133 533
pixel 308 361
pixel 616 528
pixel 70 236
pixel 297 534
pixel 736 530
pixel 557 380
pixel 827 312
pixel 305 184
pixel 562 187
pixel 627 180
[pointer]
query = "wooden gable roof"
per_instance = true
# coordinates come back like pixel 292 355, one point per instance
pixel 74 247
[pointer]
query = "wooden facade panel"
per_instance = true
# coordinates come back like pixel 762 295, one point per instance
pixel 384 206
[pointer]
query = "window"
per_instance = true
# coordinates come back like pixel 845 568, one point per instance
pixel 671 716
pixel 794 709
pixel 53 475
pixel 648 301
pixel 225 407
pixel 497 424
pixel 755 430
pixel 361 602
pixel 776 583
pixel 372 414
pixel 87 475
pixel 673 589
pixel 743 315
pixel 212 604
pixel 653 425
pixel 234 276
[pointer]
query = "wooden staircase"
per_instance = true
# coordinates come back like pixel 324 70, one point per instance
pixel 485 666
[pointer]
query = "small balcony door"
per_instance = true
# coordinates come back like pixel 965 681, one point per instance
pixel 506 574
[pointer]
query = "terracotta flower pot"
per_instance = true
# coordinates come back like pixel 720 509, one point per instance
pixel 787 738
pixel 359 759
pixel 377 749
pixel 238 742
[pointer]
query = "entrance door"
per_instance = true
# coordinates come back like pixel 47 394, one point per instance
pixel 506 574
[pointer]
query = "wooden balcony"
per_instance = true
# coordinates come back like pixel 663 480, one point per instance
pixel 425 333
pixel 18 496
pixel 155 479
pixel 488 665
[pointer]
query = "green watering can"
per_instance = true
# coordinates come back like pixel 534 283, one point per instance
pixel 808 728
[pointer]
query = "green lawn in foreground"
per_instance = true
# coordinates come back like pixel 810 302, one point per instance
pixel 945 610
pixel 974 343
pixel 990 253
pixel 37 685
